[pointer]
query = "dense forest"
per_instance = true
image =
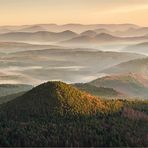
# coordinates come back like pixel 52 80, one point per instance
pixel 58 114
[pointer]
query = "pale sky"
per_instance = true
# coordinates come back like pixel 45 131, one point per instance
pixel 19 12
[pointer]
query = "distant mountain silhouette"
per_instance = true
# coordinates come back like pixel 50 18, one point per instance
pixel 40 36
pixel 102 38
pixel 131 32
pixel 106 37
pixel 89 33
pixel 103 30
pixel 73 27
pixel 34 28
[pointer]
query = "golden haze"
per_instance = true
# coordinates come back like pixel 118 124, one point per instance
pixel 16 12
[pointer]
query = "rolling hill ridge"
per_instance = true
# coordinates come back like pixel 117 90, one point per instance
pixel 131 84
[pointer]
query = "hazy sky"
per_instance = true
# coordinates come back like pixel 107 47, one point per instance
pixel 17 12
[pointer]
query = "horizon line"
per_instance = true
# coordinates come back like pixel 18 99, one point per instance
pixel 58 24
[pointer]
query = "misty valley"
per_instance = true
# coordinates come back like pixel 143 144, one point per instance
pixel 74 85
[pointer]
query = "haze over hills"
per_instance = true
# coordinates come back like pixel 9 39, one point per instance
pixel 110 94
pixel 99 91
pixel 40 36
pixel 89 33
pixel 33 28
pixel 123 30
pixel 68 37
pixel 59 28
pixel 102 30
pixel 9 47
pixel 36 63
pixel 138 48
pixel 8 89
pixel 89 38
pixel 130 32
pixel 130 84
pixel 142 31
pixel 102 38
pixel 38 66
pixel 134 66
pixel 67 83
pixel 4 30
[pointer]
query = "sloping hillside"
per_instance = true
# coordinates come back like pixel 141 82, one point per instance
pixel 53 98
pixel 8 89
pixel 98 91
pixel 138 48
pixel 130 84
pixel 133 66
pixel 4 99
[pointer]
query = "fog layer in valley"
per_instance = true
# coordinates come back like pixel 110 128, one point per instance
pixel 72 53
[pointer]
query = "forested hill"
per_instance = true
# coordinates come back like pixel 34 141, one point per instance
pixel 54 98
pixel 57 114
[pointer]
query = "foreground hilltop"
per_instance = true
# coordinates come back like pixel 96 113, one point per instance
pixel 53 98
pixel 58 114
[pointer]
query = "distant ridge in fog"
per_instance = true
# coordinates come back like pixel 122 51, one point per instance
pixel 58 28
